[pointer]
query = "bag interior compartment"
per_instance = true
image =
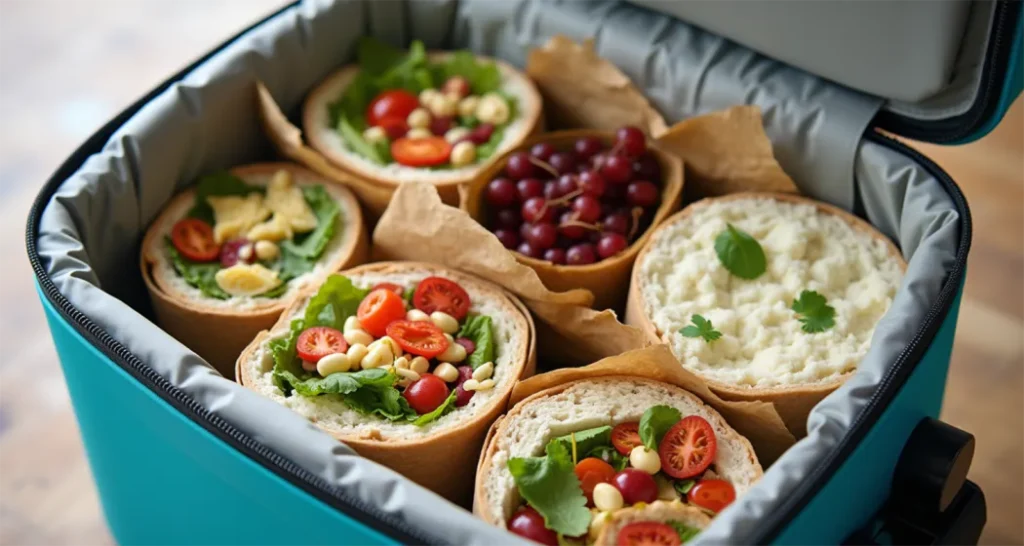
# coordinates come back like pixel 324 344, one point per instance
pixel 95 220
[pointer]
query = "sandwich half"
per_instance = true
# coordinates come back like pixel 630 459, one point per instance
pixel 407 363
pixel 667 523
pixel 224 257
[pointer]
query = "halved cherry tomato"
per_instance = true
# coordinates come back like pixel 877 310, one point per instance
pixel 714 495
pixel 395 127
pixel 592 471
pixel 440 294
pixel 421 152
pixel 426 394
pixel 389 286
pixel 378 309
pixel 194 239
pixel 418 337
pixel 318 342
pixel 395 103
pixel 626 436
pixel 688 448
pixel 648 533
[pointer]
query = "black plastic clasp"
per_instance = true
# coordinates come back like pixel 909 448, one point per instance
pixel 931 502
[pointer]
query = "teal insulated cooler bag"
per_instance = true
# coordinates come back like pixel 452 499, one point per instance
pixel 182 455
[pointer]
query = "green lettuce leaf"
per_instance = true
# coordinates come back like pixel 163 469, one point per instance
pixel 483 76
pixel 354 138
pixel 685 532
pixel 199 275
pixel 385 402
pixel 587 440
pixel 478 329
pixel 655 422
pixel 376 57
pixel 611 456
pixel 683 486
pixel 549 484
pixel 344 382
pixel 447 406
pixel 220 184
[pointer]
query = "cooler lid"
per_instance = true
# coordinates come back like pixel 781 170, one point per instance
pixel 947 69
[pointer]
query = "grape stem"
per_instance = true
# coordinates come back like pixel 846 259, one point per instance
pixel 635 213
pixel 564 200
pixel 544 165
pixel 577 223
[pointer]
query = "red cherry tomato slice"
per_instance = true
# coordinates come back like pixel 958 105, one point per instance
pixel 193 238
pixel 419 337
pixel 318 342
pixel 395 103
pixel 389 286
pixel 714 495
pixel 440 294
pixel 688 448
pixel 421 152
pixel 426 394
pixel 648 533
pixel 626 436
pixel 592 471
pixel 394 126
pixel 378 309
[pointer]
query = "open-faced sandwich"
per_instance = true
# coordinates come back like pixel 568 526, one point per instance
pixel 766 296
pixel 407 363
pixel 568 459
pixel 664 523
pixel 226 255
pixel 415 116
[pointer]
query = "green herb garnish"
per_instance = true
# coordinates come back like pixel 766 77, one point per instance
pixel 701 327
pixel 740 253
pixel 815 314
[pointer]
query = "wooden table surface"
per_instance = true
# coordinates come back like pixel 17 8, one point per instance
pixel 66 66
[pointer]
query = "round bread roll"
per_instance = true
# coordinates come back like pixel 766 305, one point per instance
pixel 441 454
pixel 658 511
pixel 324 138
pixel 764 353
pixel 588 403
pixel 218 330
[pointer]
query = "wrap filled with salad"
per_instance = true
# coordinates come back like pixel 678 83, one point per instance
pixel 437 117
pixel 227 255
pixel 407 363
pixel 566 461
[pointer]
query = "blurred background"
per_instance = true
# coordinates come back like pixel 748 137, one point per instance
pixel 67 66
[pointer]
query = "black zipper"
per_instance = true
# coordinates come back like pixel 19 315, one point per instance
pixel 993 77
pixel 367 514
pixel 769 528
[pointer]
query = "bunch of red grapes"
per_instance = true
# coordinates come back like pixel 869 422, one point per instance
pixel 579 206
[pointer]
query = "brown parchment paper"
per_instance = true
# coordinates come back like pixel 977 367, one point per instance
pixel 417 226
pixel 758 421
pixel 582 90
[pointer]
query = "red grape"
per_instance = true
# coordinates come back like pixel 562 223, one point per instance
pixel 581 254
pixel 439 126
pixel 523 229
pixel 646 167
pixel 616 222
pixel 542 151
pixel 529 187
pixel 501 192
pixel 591 183
pixel 462 396
pixel 617 169
pixel 567 184
pixel 465 373
pixel 569 230
pixel 509 238
pixel 631 140
pixel 586 147
pixel 519 166
pixel 587 208
pixel 541 236
pixel 529 524
pixel 555 256
pixel 536 210
pixel 615 193
pixel 229 252
pixel 636 486
pixel 468 345
pixel 642 193
pixel 611 244
pixel 599 160
pixel 526 249
pixel 456 85
pixel 507 218
pixel 563 162
pixel 551 190
pixel 482 134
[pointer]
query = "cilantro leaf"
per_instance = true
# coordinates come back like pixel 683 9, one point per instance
pixel 701 327
pixel 685 532
pixel 445 407
pixel 683 486
pixel 478 329
pixel 655 422
pixel 816 315
pixel 740 253
pixel 549 484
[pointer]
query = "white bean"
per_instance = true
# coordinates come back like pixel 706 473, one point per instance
pixel 418 132
pixel 416 315
pixel 356 353
pixel 421 365
pixel 351 323
pixel 391 344
pixel 407 374
pixel 463 154
pixel 454 353
pixel 467 106
pixel 645 459
pixel 446 372
pixel 266 250
pixel 377 357
pixel 358 337
pixel 484 372
pixel 418 118
pixel 607 497
pixel 471 385
pixel 445 322
pixel 332 363
pixel 485 385
pixel 401 363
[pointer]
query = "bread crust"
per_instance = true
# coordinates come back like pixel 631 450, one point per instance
pixel 191 322
pixel 439 461
pixel 793 402
pixel 312 125
pixel 608 279
pixel 495 437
